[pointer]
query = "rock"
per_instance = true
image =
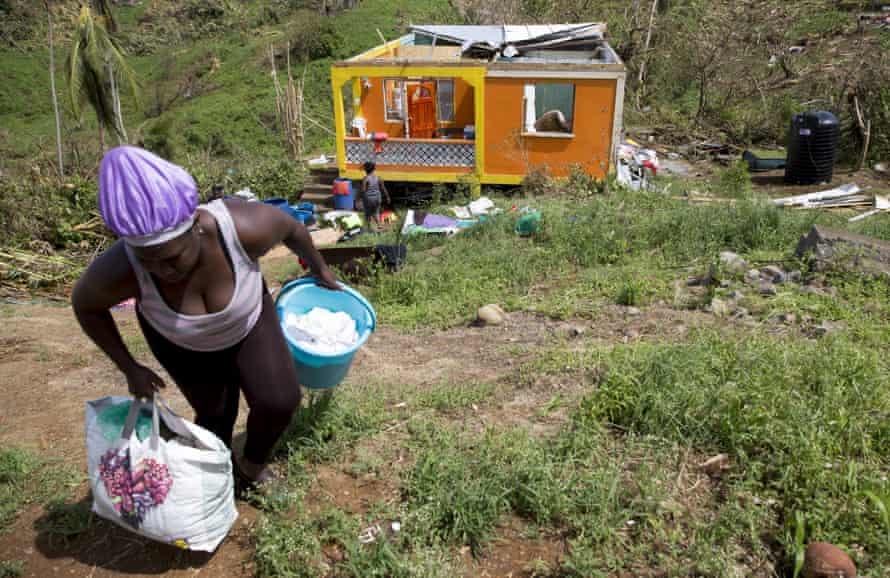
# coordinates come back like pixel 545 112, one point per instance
pixel 788 318
pixel 752 276
pixel 828 328
pixel 882 167
pixel 719 307
pixel 767 289
pixel 834 249
pixel 824 560
pixel 810 290
pixel 774 274
pixel 571 330
pixel 733 262
pixel 491 315
pixel 632 312
pixel 740 313
pixel 725 284
pixel 736 295
pixel 795 276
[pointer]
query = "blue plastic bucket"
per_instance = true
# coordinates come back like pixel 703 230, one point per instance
pixel 317 371
pixel 344 202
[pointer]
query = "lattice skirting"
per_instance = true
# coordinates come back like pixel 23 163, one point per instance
pixel 419 154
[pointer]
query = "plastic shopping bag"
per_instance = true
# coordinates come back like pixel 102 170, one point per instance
pixel 174 485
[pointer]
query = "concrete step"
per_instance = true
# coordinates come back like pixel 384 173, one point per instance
pixel 317 189
pixel 326 173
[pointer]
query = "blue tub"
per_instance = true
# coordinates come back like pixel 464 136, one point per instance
pixel 299 297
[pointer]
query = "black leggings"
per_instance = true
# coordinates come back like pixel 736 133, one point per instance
pixel 260 365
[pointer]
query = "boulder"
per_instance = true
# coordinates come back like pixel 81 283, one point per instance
pixel 733 262
pixel 491 315
pixel 824 560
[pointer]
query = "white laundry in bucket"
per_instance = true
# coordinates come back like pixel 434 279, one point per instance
pixel 322 331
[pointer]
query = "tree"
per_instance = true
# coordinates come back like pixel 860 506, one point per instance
pixel 103 10
pixel 52 85
pixel 95 67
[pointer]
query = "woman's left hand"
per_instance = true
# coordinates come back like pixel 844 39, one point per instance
pixel 327 280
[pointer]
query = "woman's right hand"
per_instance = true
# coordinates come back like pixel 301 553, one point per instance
pixel 143 382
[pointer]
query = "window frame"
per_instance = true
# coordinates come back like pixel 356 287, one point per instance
pixel 439 118
pixel 528 122
pixel 386 101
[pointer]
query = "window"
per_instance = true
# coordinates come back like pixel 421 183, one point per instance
pixel 394 100
pixel 549 108
pixel 445 100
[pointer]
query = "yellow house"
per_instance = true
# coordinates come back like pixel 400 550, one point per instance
pixel 444 103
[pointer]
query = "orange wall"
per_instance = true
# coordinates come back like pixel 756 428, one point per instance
pixel 508 153
pixel 372 107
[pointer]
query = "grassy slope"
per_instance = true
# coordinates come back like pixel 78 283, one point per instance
pixel 232 115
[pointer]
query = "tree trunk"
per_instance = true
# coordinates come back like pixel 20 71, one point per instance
pixel 52 85
pixel 642 74
pixel 101 137
pixel 116 102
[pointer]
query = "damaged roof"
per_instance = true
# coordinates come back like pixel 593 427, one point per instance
pixel 510 40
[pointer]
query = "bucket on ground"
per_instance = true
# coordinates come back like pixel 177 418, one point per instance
pixel 344 199
pixel 320 371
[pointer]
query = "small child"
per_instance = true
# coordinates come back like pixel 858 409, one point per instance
pixel 372 189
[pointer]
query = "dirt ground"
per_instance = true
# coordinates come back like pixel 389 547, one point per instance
pixel 49 369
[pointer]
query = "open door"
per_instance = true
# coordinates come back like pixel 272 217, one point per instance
pixel 422 110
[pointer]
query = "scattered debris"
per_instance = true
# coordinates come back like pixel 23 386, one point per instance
pixel 636 166
pixel 761 161
pixel 839 196
pixel 824 560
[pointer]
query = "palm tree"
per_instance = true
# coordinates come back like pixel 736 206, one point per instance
pixel 103 10
pixel 95 67
pixel 52 85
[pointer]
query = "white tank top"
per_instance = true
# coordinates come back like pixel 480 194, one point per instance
pixel 213 331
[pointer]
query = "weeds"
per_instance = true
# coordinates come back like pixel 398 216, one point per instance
pixel 11 568
pixel 27 479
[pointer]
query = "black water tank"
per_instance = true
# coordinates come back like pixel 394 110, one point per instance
pixel 812 147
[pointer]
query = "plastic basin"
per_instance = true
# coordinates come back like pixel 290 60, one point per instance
pixel 318 371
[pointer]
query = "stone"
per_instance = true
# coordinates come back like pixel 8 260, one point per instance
pixel 719 307
pixel 571 330
pixel 736 295
pixel 828 328
pixel 795 276
pixel 733 262
pixel 773 273
pixel 824 560
pixel 740 313
pixel 752 276
pixel 491 315
pixel 767 289
pixel 715 466
pixel 632 312
pixel 788 318
pixel 810 290
pixel 842 250
pixel 882 167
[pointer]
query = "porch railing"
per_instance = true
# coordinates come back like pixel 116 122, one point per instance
pixel 413 152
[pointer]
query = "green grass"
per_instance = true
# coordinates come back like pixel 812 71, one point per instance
pixel 624 247
pixel 26 479
pixel 11 568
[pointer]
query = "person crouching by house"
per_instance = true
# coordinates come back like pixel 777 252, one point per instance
pixel 373 191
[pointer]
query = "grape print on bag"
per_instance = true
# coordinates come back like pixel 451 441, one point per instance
pixel 134 491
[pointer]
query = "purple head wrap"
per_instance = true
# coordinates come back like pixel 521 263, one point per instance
pixel 143 198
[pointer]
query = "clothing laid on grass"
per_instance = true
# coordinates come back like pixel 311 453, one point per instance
pixel 213 331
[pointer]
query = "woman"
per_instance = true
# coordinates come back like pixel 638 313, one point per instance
pixel 202 302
